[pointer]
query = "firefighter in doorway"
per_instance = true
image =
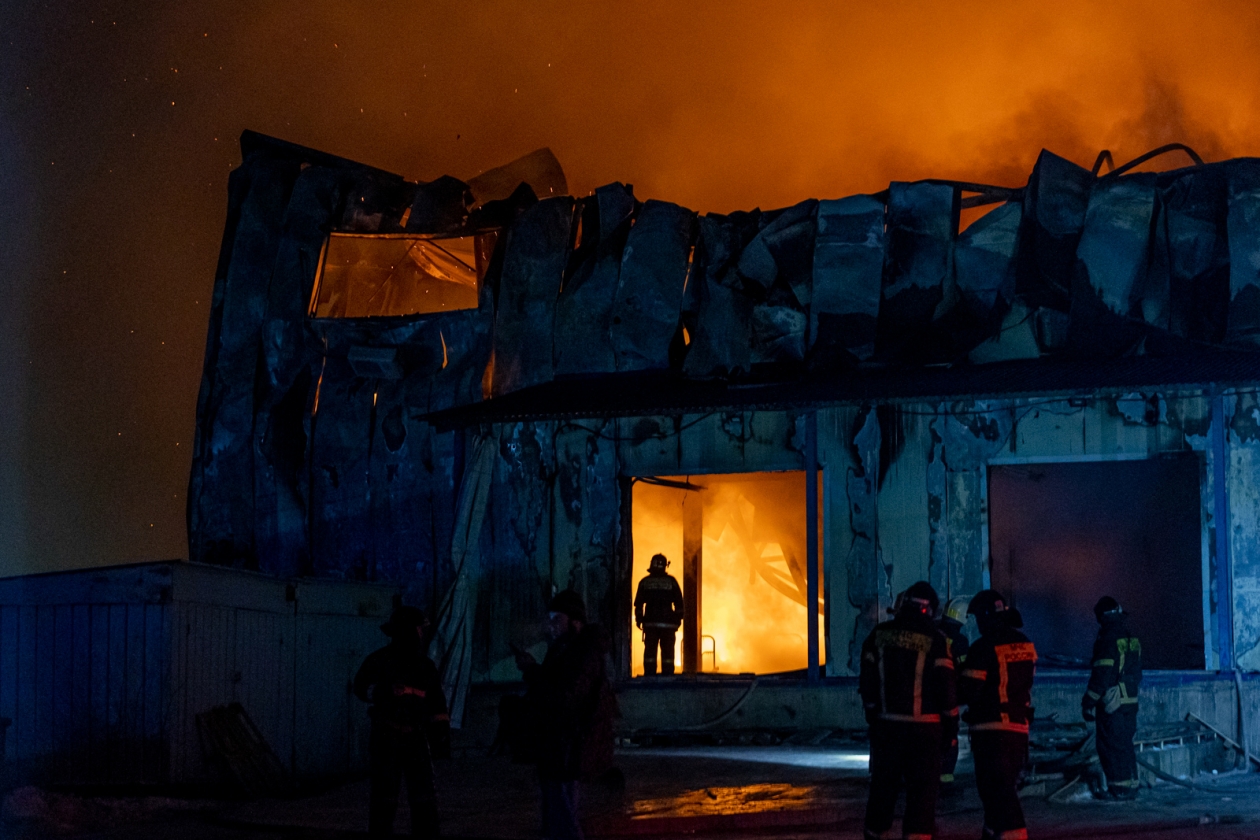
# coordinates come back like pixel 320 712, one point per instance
pixel 996 686
pixel 1112 697
pixel 951 626
pixel 410 725
pixel 658 612
pixel 907 684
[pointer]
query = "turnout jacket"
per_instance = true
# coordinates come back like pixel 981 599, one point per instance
pixel 573 707
pixel 1117 665
pixel 403 686
pixel 658 602
pixel 907 673
pixel 996 683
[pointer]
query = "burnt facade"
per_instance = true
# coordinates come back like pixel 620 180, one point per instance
pixel 483 457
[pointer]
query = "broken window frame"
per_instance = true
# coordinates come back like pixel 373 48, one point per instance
pixel 484 243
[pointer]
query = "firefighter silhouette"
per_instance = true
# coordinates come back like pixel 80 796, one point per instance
pixel 1111 699
pixel 658 612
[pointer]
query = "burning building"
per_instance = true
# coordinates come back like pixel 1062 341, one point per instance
pixel 484 392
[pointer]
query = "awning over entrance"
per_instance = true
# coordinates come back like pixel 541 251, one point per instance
pixel 650 394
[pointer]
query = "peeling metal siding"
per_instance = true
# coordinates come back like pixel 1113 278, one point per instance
pixel 1243 485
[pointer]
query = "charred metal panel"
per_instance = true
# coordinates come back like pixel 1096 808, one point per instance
pixel 1244 253
pixel 439 206
pixel 1053 218
pixel 722 342
pixel 538 247
pixel 848 268
pixel 283 389
pixel 517 574
pixel 904 539
pixel 984 274
pixel 1107 292
pixel 1243 467
pixel 587 502
pixel 413 488
pixel 220 515
pixel 583 336
pixel 862 557
pixel 650 287
pixel 752 441
pixel 965 436
pixel 780 261
pixel 1191 248
pixel 918 262
pixel 722 442
pixel 340 502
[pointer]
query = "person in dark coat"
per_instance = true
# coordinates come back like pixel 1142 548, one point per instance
pixel 951 627
pixel 1112 697
pixel 573 708
pixel 996 687
pixel 410 725
pixel 907 683
pixel 658 612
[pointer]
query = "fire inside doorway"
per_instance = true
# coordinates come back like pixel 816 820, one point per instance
pixel 737 545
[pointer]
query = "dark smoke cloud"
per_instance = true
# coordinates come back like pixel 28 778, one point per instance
pixel 118 126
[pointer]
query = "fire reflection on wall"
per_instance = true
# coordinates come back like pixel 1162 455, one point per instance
pixel 743 536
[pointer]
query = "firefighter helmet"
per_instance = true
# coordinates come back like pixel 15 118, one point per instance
pixel 659 563
pixel 989 603
pixel 404 620
pixel 570 603
pixel 921 598
pixel 956 609
pixel 1106 604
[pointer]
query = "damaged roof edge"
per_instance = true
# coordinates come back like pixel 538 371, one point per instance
pixel 656 393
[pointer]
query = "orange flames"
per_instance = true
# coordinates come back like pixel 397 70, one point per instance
pixel 753 584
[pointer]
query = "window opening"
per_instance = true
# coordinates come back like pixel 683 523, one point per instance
pixel 736 545
pixel 1062 535
pixel 379 275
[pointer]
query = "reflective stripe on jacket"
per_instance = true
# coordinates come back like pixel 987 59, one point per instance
pixel 907 673
pixel 996 682
pixel 1117 662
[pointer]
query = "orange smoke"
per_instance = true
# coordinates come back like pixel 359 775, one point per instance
pixel 753 586
pixel 714 105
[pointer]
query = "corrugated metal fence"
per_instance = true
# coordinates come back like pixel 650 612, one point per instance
pixel 104 671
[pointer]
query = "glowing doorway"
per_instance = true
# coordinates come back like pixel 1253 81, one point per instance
pixel 742 537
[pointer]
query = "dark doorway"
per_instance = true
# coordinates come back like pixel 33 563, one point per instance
pixel 1061 535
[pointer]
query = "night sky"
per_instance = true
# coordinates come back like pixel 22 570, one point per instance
pixel 119 126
